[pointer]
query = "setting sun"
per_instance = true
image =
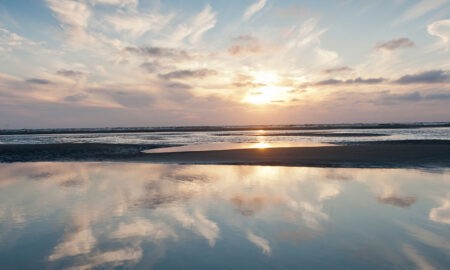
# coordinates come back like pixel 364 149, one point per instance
pixel 266 94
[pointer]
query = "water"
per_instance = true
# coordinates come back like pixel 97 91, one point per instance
pixel 249 136
pixel 156 216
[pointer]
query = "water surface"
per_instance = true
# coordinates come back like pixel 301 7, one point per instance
pixel 130 215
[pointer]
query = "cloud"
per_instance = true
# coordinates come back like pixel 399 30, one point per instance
pixel 441 30
pixel 415 96
pixel 70 73
pixel 358 80
pixel 178 86
pixel 194 29
pixel 73 15
pixel 418 10
pixel 337 70
pixel 260 242
pixel 38 81
pixel 395 200
pixel 253 9
pixel 431 76
pixel 10 41
pixel 245 45
pixel 158 52
pixel 150 67
pixel 135 24
pixel 304 46
pixel 394 44
pixel 186 73
pixel 76 97
pixel 120 3
pixel 125 97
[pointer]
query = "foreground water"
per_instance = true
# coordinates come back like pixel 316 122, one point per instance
pixel 128 215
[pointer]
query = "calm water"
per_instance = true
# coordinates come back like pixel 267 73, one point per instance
pixel 126 215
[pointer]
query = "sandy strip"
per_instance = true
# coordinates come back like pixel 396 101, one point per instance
pixel 373 154
pixel 382 155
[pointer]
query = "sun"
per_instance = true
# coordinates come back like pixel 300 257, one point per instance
pixel 269 92
pixel 265 94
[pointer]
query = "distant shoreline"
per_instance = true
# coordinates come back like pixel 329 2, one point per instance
pixel 388 154
pixel 222 128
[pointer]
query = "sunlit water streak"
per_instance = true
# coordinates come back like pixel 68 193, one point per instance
pixel 127 215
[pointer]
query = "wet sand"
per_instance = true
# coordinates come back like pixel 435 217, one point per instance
pixel 394 154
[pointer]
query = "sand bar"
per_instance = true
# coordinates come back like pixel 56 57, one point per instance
pixel 424 153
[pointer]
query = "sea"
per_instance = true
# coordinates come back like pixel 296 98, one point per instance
pixel 170 136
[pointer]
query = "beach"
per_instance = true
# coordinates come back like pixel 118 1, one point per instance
pixel 390 154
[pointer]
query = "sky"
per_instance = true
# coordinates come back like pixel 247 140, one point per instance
pixel 109 63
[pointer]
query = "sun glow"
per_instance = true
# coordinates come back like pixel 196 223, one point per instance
pixel 268 92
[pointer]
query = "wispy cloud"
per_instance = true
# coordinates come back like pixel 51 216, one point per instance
pixel 10 41
pixel 121 3
pixel 421 8
pixel 245 45
pixel 73 15
pixel 135 24
pixel 253 9
pixel 194 29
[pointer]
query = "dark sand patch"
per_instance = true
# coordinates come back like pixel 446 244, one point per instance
pixel 423 153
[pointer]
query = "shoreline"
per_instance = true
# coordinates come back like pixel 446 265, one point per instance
pixel 382 154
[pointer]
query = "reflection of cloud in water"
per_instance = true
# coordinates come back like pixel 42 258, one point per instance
pixel 248 205
pixel 199 223
pixel 396 200
pixel 144 228
pixel 120 257
pixel 260 242
pixel 74 182
pixel 128 205
pixel 74 243
pixel 333 174
pixel 428 238
pixel 419 261
pixel 79 240
pixel 442 213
